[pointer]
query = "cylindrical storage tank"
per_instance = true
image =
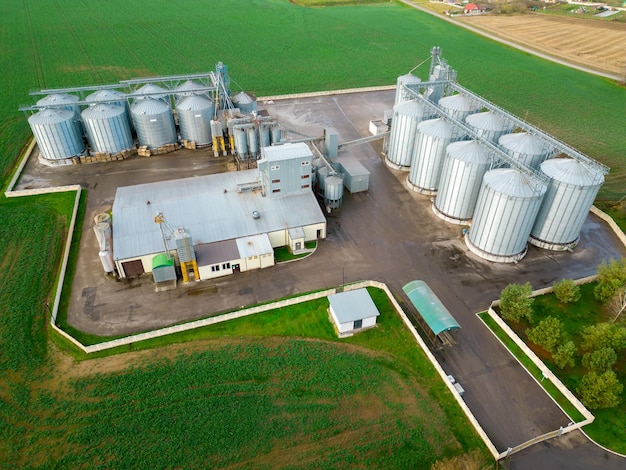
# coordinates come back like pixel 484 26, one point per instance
pixel 245 102
pixel 190 88
pixel 333 191
pixel 458 106
pixel 323 173
pixel 401 94
pixel 106 258
pixel 107 128
pixel 253 141
pixel 276 134
pixel 508 203
pixel 433 137
pixel 527 149
pixel 154 122
pixel 150 90
pixel 216 128
pixel 58 133
pixel 571 192
pixel 111 97
pixel 61 101
pixel 265 134
pixel 489 125
pixel 464 166
pixel 241 142
pixel 194 116
pixel 406 117
pixel 103 235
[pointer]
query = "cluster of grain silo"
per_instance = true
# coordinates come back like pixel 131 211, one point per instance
pixel 250 135
pixel 526 148
pixel 406 117
pixel 58 133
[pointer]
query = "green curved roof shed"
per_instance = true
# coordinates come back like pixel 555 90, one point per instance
pixel 430 307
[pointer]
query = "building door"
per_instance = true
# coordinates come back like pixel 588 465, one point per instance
pixel 236 268
pixel 133 268
pixel 298 246
pixel 357 324
pixel 319 233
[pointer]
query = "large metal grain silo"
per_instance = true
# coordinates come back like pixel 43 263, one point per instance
pixel 571 192
pixel 245 102
pixel 508 203
pixel 107 128
pixel 431 141
pixel 150 90
pixel 406 117
pixel 465 164
pixel 58 134
pixel 190 88
pixel 112 97
pixel 154 122
pixel 61 101
pixel 489 125
pixel 458 106
pixel 528 149
pixel 401 94
pixel 194 116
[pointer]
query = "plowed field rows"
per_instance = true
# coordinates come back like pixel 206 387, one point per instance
pixel 600 45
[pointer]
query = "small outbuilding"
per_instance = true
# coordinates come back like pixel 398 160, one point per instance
pixel 352 311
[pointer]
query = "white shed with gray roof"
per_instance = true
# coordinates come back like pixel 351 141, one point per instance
pixel 352 311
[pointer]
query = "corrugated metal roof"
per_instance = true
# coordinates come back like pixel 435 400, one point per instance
pixel 510 182
pixel 430 307
pixel 457 102
pixel 102 95
pixel 468 151
pixel 149 106
pixel 353 305
pixel 287 151
pixel 410 108
pixel 569 171
pixel 51 116
pixel 351 165
pixel 523 143
pixel 218 252
pixel 488 121
pixel 194 103
pixel 436 128
pixel 296 232
pixel 58 98
pixel 255 245
pixel 102 111
pixel 209 207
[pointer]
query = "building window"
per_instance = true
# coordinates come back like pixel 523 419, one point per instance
pixel 215 268
pixel 275 190
pixel 305 163
pixel 358 324
pixel 275 181
pixel 275 167
pixel 305 186
pixel 226 266
pixel 305 176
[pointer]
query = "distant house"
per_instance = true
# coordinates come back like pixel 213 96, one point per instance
pixel 472 9
pixel 352 311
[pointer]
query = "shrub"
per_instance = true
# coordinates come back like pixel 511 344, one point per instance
pixel 611 276
pixel 564 355
pixel 566 291
pixel 547 333
pixel 600 360
pixel 603 335
pixel 600 390
pixel 516 302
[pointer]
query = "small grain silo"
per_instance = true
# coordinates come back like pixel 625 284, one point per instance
pixel 333 191
pixel 489 125
pixel 186 254
pixel 432 139
pixel 458 106
pixel 58 134
pixel 245 102
pixel 571 191
pixel 465 164
pixel 401 93
pixel 241 140
pixel 276 133
pixel 528 149
pixel 61 101
pixel 406 117
pixel 507 205
pixel 107 128
pixel 323 173
pixel 154 122
pixel 194 116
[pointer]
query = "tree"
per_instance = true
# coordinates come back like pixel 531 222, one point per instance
pixel 516 302
pixel 617 305
pixel 611 277
pixel 547 333
pixel 600 390
pixel 566 291
pixel 564 355
pixel 600 360
pixel 603 335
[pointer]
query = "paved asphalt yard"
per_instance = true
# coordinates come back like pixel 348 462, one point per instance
pixel 389 234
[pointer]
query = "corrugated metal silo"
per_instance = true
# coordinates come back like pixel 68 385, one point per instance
pixel 245 102
pixel 194 116
pixel 150 90
pixel 107 128
pixel 112 97
pixel 406 117
pixel 323 173
pixel 253 141
pixel 333 191
pixel 61 101
pixel 508 203
pixel 489 125
pixel 154 122
pixel 190 88
pixel 571 192
pixel 58 133
pixel 433 136
pixel 528 149
pixel 465 164
pixel 458 106
pixel 401 93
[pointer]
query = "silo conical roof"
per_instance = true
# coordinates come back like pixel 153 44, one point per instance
pixel 437 128
pixel 102 111
pixel 149 106
pixel 523 143
pixel 51 116
pixel 410 109
pixel 468 151
pixel 58 99
pixel 570 171
pixel 243 98
pixel 509 182
pixel 488 121
pixel 189 88
pixel 151 90
pixel 106 95
pixel 408 79
pixel 194 103
pixel 457 103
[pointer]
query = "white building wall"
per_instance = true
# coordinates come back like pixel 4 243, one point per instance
pixel 266 260
pixel 278 238
pixel 310 231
